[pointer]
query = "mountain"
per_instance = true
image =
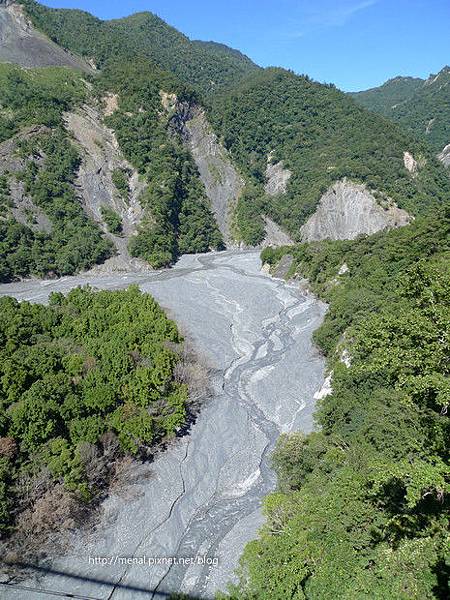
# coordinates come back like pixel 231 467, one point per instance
pixel 421 106
pixel 23 45
pixel 207 66
pixel 175 146
pixel 313 135
pixel 386 97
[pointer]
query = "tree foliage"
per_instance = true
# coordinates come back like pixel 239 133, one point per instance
pixel 112 219
pixel 207 66
pixel 421 106
pixel 89 365
pixel 322 136
pixel 362 505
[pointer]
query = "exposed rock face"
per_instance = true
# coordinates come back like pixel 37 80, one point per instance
pixel 223 184
pixel 348 210
pixel 343 269
pixel 21 44
pixel 275 236
pixel 110 104
pixel 282 268
pixel 326 388
pixel 23 209
pixel 168 101
pixel 429 125
pixel 410 162
pixel 444 156
pixel 277 178
pixel 100 156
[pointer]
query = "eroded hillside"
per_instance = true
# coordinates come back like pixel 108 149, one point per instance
pixel 309 137
pixel 21 43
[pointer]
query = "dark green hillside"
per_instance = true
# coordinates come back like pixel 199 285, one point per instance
pixel 427 113
pixel 424 110
pixel 221 50
pixel 82 381
pixel 321 135
pixel 205 66
pixel 392 93
pixel 362 505
pixel 37 97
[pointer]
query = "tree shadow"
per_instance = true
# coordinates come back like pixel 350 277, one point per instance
pixel 44 592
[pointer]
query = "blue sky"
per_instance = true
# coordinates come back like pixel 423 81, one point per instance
pixel 355 44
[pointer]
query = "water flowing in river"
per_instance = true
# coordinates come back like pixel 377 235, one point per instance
pixel 202 497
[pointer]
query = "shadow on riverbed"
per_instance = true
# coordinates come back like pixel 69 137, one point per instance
pixel 38 592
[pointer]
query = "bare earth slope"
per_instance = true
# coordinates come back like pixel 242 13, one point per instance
pixel 204 494
pixel 347 210
pixel 222 182
pixel 21 44
pixel 101 155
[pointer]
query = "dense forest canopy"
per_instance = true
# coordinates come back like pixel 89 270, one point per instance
pixel 321 136
pixel 90 370
pixel 393 92
pixel 207 66
pixel 423 107
pixel 362 504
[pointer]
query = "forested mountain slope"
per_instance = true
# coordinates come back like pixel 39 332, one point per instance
pixel 207 66
pixel 74 191
pixel 386 97
pixel 43 228
pixel 321 136
pixel 293 140
pixel 95 200
pixel 423 107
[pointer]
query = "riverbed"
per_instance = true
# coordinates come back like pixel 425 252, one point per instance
pixel 184 524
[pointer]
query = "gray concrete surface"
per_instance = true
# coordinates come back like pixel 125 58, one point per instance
pixel 203 495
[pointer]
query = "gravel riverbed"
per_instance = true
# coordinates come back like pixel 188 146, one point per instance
pixel 200 500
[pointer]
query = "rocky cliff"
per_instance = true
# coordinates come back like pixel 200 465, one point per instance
pixel 21 44
pixel 223 183
pixel 348 210
pixel 444 156
pixel 277 177
pixel 22 207
pixel 101 157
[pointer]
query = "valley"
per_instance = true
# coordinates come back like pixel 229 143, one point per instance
pixel 225 299
pixel 203 495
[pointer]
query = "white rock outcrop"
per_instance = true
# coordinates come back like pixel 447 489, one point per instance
pixel 223 183
pixel 444 156
pixel 410 162
pixel 100 156
pixel 275 236
pixel 348 210
pixel 277 178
